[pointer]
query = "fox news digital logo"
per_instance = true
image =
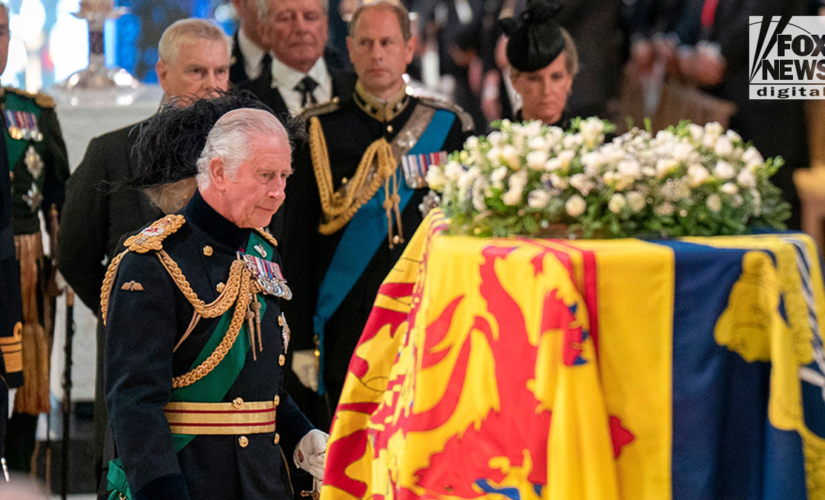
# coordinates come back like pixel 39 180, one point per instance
pixel 787 57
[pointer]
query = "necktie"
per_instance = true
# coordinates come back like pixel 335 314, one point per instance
pixel 306 87
pixel 266 64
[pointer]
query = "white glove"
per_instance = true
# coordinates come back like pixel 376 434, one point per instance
pixel 311 453
pixel 12 393
pixel 305 366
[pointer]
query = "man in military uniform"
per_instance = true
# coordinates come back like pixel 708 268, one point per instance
pixel 100 205
pixel 39 169
pixel 11 360
pixel 196 338
pixel 362 176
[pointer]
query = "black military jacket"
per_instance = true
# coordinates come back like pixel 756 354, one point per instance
pixel 349 129
pixel 41 168
pixel 142 329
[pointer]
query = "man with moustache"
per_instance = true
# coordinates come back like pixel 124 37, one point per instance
pixel 362 176
pixel 100 208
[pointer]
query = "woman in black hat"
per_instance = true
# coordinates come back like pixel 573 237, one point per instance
pixel 543 61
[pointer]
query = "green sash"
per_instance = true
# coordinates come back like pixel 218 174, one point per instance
pixel 210 389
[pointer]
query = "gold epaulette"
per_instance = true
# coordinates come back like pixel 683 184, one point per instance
pixel 152 237
pixel 467 124
pixel 320 109
pixel 41 99
pixel 268 237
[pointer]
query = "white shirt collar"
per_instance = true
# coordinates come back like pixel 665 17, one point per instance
pixel 285 79
pixel 252 55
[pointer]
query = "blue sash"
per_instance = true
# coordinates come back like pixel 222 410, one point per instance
pixel 364 234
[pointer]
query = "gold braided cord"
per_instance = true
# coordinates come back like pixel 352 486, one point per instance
pixel 224 300
pixel 340 207
pixel 238 316
pixel 268 237
pixel 108 282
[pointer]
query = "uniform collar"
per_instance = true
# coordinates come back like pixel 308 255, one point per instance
pixel 379 109
pixel 200 213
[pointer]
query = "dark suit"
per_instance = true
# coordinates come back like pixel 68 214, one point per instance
pixel 100 208
pixel 142 360
pixel 343 85
pixel 237 67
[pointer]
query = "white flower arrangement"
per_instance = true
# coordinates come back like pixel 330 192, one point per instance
pixel 688 180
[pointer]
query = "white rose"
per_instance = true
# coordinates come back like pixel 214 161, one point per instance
pixel 592 129
pixel 665 167
pixel 636 200
pixel 436 178
pixel 572 141
pixel 538 199
pixel 532 129
pixel 536 159
pixel 723 147
pixel 697 174
pixel 566 158
pixel 513 195
pixel 499 175
pixel 552 164
pixel 617 203
pixel 582 183
pixel 554 135
pixel 714 129
pixel 724 170
pixel 559 182
pixel 471 142
pixel 696 131
pixel 511 157
pixel 730 188
pixel 575 206
pixel 649 171
pixel 709 141
pixel 629 168
pixel 682 152
pixel 466 179
pixel 665 208
pixel 714 202
pixel 664 136
pixel 453 171
pixel 494 155
pixel 746 179
pixel 538 143
pixel 752 155
pixel 494 138
pixel 733 136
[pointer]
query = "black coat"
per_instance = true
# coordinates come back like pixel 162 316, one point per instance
pixel 100 208
pixel 140 365
pixel 308 254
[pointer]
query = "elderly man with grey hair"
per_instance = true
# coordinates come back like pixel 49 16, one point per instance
pixel 195 335
pixel 100 208
pixel 304 71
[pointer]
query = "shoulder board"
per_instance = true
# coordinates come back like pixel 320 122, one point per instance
pixel 151 238
pixel 320 109
pixel 268 237
pixel 42 100
pixel 467 124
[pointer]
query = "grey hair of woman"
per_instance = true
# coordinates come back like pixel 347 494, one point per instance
pixel 230 139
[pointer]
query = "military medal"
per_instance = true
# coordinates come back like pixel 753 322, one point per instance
pixel 268 275
pixel 33 198
pixel 33 162
pixel 31 126
pixel 416 166
pixel 13 127
pixel 24 129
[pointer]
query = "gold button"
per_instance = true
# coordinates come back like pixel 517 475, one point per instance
pixel 277 438
pixel 389 128
pixel 243 441
pixel 220 287
pixel 207 250
pixel 237 402
pixel 277 400
pixel 281 360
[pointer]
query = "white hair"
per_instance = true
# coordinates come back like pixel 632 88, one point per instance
pixel 188 30
pixel 229 140
pixel 263 7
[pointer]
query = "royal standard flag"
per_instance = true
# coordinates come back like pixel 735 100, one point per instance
pixel 556 369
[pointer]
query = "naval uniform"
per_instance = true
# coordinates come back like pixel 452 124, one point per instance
pixel 353 131
pixel 192 400
pixel 39 169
